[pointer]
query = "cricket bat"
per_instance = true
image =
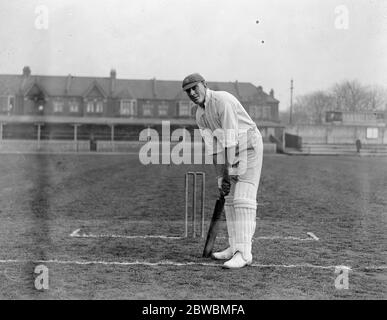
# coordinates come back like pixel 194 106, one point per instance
pixel 214 227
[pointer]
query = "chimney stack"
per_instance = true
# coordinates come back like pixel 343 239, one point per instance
pixel 260 90
pixel 113 73
pixel 26 74
pixel 68 83
pixel 154 87
pixel 272 93
pixel 26 71
pixel 113 77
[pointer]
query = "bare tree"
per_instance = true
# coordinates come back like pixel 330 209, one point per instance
pixel 320 102
pixel 353 96
pixel 311 108
pixel 348 95
pixel 376 98
pixel 344 96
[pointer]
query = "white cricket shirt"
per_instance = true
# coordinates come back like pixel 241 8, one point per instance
pixel 224 122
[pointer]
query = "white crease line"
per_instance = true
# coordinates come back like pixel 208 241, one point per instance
pixel 312 235
pixel 165 263
pixel 76 234
pixel 185 264
pixel 371 268
pixel 281 238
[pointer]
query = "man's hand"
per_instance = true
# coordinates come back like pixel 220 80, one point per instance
pixel 224 185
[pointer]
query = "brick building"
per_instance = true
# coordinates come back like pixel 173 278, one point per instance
pixel 71 107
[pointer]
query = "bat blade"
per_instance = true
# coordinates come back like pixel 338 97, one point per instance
pixel 214 227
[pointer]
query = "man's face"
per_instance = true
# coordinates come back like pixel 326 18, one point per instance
pixel 197 93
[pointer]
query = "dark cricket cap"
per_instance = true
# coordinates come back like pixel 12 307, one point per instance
pixel 192 80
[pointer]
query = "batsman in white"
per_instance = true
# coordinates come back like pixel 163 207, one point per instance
pixel 235 142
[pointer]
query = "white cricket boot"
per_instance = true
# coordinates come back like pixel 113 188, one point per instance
pixel 223 255
pixel 237 262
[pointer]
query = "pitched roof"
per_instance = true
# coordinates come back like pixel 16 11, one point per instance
pixel 125 88
pixel 124 93
pixel 53 86
pixel 94 85
pixel 9 85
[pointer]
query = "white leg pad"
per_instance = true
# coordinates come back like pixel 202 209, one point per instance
pixel 245 206
pixel 230 215
pixel 245 227
pixel 230 218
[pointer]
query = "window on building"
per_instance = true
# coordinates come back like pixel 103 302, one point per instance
pixel 58 106
pixel 74 106
pixel 266 112
pixel 90 107
pixel 255 112
pixel 95 106
pixel 4 104
pixel 163 109
pixel 11 103
pixel 332 116
pixel 99 107
pixel 128 108
pixel 372 133
pixel 147 110
pixel 184 109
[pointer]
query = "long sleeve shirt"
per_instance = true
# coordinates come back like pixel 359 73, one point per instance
pixel 223 122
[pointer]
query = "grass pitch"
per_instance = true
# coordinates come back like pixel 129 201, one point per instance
pixel 44 198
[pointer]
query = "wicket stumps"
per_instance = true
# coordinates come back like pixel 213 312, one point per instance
pixel 195 176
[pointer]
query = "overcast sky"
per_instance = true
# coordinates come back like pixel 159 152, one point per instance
pixel 266 42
